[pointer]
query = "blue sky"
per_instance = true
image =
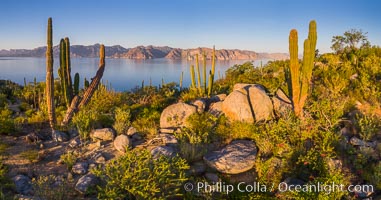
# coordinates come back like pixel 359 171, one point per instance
pixel 259 25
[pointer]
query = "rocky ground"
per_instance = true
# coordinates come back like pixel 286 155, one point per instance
pixel 235 161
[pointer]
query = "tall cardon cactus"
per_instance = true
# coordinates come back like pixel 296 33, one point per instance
pixel 300 76
pixel 49 76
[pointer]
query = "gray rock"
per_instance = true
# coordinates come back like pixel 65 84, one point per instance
pixel 73 133
pixel 293 181
pixel 245 86
pixel 236 107
pixel 358 142
pixel 200 104
pixel 59 136
pixel 75 142
pixel 334 164
pixel 212 177
pixel 25 197
pixel 166 151
pixel 122 142
pixel 282 104
pixel 260 103
pixel 33 137
pixel 136 137
pixel 216 109
pixel 362 194
pixel 104 134
pixel 131 131
pixel 99 159
pixel 246 177
pixel 86 181
pixel 92 166
pixel 346 132
pixel 23 184
pixel 175 115
pixel 80 168
pixel 168 138
pixel 167 130
pixel 236 157
pixel 197 168
pixel 217 98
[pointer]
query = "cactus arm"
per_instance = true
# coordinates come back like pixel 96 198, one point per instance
pixel 69 85
pixel 210 83
pixel 301 76
pixel 95 81
pixel 193 81
pixel 308 63
pixel 204 72
pixel 198 75
pixel 181 80
pixel 212 72
pixel 294 70
pixel 76 84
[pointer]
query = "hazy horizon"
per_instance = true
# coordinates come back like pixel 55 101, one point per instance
pixel 260 26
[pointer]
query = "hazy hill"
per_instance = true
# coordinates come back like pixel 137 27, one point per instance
pixel 146 52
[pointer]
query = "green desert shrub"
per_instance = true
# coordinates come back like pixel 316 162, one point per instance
pixel 104 101
pixel 5 183
pixel 37 119
pixel 122 120
pixel 52 187
pixel 137 175
pixel 3 100
pixel 194 138
pixel 88 119
pixel 7 124
pixel 69 159
pixel 31 155
pixel 368 125
pixel 200 128
pixel 147 121
pixel 373 175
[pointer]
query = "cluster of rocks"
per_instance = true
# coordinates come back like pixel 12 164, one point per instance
pixel 247 103
pixel 105 145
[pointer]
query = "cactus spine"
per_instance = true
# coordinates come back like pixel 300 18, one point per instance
pixel 49 76
pixel 193 79
pixel 76 84
pixel 301 75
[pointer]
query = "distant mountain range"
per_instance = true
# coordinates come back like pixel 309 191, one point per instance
pixel 146 52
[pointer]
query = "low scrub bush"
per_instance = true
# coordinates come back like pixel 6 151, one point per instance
pixel 137 175
pixel 122 120
pixel 52 187
pixel 7 124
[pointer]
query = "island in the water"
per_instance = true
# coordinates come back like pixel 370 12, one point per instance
pixel 147 52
